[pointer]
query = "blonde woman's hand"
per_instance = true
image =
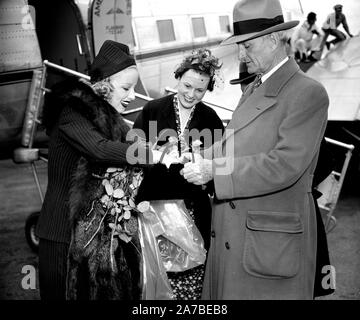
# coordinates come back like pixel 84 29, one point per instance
pixel 169 159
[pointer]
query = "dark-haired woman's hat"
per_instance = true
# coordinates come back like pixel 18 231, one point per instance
pixel 112 58
pixel 256 18
pixel 244 76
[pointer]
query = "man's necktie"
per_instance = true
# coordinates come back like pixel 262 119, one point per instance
pixel 251 88
pixel 257 83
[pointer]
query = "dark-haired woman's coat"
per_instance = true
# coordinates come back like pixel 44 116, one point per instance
pixel 161 112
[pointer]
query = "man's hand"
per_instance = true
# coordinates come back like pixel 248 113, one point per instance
pixel 198 172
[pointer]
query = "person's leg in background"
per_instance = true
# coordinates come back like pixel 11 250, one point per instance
pixel 52 269
pixel 300 47
pixel 326 35
pixel 339 36
pixel 314 47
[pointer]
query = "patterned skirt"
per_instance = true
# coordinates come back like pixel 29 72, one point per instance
pixel 187 285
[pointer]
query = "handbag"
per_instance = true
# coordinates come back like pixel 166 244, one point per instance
pixel 171 242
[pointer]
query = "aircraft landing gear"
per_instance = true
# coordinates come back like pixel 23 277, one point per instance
pixel 30 226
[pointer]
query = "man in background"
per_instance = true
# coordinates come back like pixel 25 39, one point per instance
pixel 331 24
pixel 306 39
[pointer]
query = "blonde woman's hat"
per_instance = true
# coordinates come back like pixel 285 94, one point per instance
pixel 256 18
pixel 112 58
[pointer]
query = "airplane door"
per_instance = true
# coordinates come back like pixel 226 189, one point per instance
pixel 62 35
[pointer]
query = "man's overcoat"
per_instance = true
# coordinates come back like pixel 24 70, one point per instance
pixel 264 227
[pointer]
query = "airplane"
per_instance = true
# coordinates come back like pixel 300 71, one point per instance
pixel 39 40
pixel 68 34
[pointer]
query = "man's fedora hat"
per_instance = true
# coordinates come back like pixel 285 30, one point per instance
pixel 244 76
pixel 256 18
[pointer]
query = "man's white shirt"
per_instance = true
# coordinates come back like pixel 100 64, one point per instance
pixel 267 75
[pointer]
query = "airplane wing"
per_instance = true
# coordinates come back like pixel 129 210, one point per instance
pixel 339 72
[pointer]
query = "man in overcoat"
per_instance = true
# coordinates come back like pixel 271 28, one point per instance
pixel 263 242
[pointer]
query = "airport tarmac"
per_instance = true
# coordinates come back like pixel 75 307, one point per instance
pixel 19 198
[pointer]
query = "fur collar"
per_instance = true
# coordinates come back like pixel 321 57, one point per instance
pixel 84 188
pixel 83 99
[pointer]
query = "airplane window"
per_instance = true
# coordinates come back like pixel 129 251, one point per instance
pixel 224 24
pixel 199 27
pixel 166 30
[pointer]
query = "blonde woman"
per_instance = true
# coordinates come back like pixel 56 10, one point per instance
pixel 87 135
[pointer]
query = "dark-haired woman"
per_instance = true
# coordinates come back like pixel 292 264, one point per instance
pixel 180 115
